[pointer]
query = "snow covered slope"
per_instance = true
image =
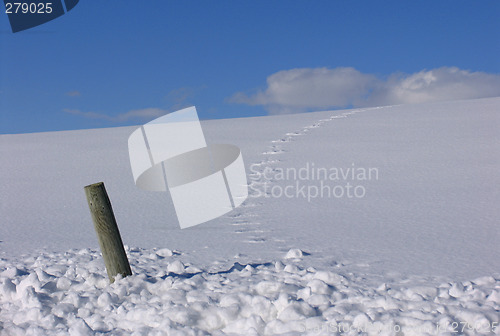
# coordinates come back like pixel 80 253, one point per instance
pixel 370 219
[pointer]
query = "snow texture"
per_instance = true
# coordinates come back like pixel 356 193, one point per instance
pixel 61 293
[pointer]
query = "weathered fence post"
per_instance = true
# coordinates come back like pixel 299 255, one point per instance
pixel 108 235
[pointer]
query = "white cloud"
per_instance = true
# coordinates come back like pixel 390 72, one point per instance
pixel 73 93
pixel 446 83
pixel 181 95
pixel 298 90
pixel 90 115
pixel 146 113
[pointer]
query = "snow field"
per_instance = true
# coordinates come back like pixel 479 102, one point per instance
pixel 417 256
pixel 69 293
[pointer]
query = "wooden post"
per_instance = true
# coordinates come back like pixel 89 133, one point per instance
pixel 108 235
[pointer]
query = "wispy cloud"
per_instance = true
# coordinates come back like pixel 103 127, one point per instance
pixel 74 93
pixel 146 113
pixel 178 99
pixel 182 97
pixel 306 89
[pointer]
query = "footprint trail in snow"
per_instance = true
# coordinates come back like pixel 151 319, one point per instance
pixel 246 219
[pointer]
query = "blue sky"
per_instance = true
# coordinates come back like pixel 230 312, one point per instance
pixel 116 63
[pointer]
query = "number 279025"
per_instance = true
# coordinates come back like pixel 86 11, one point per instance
pixel 25 8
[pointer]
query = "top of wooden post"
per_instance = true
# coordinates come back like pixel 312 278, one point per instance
pixel 93 185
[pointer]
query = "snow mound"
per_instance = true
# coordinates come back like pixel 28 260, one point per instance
pixel 294 254
pixel 68 293
pixel 164 252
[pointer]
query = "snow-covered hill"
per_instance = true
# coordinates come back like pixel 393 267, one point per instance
pixel 378 220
